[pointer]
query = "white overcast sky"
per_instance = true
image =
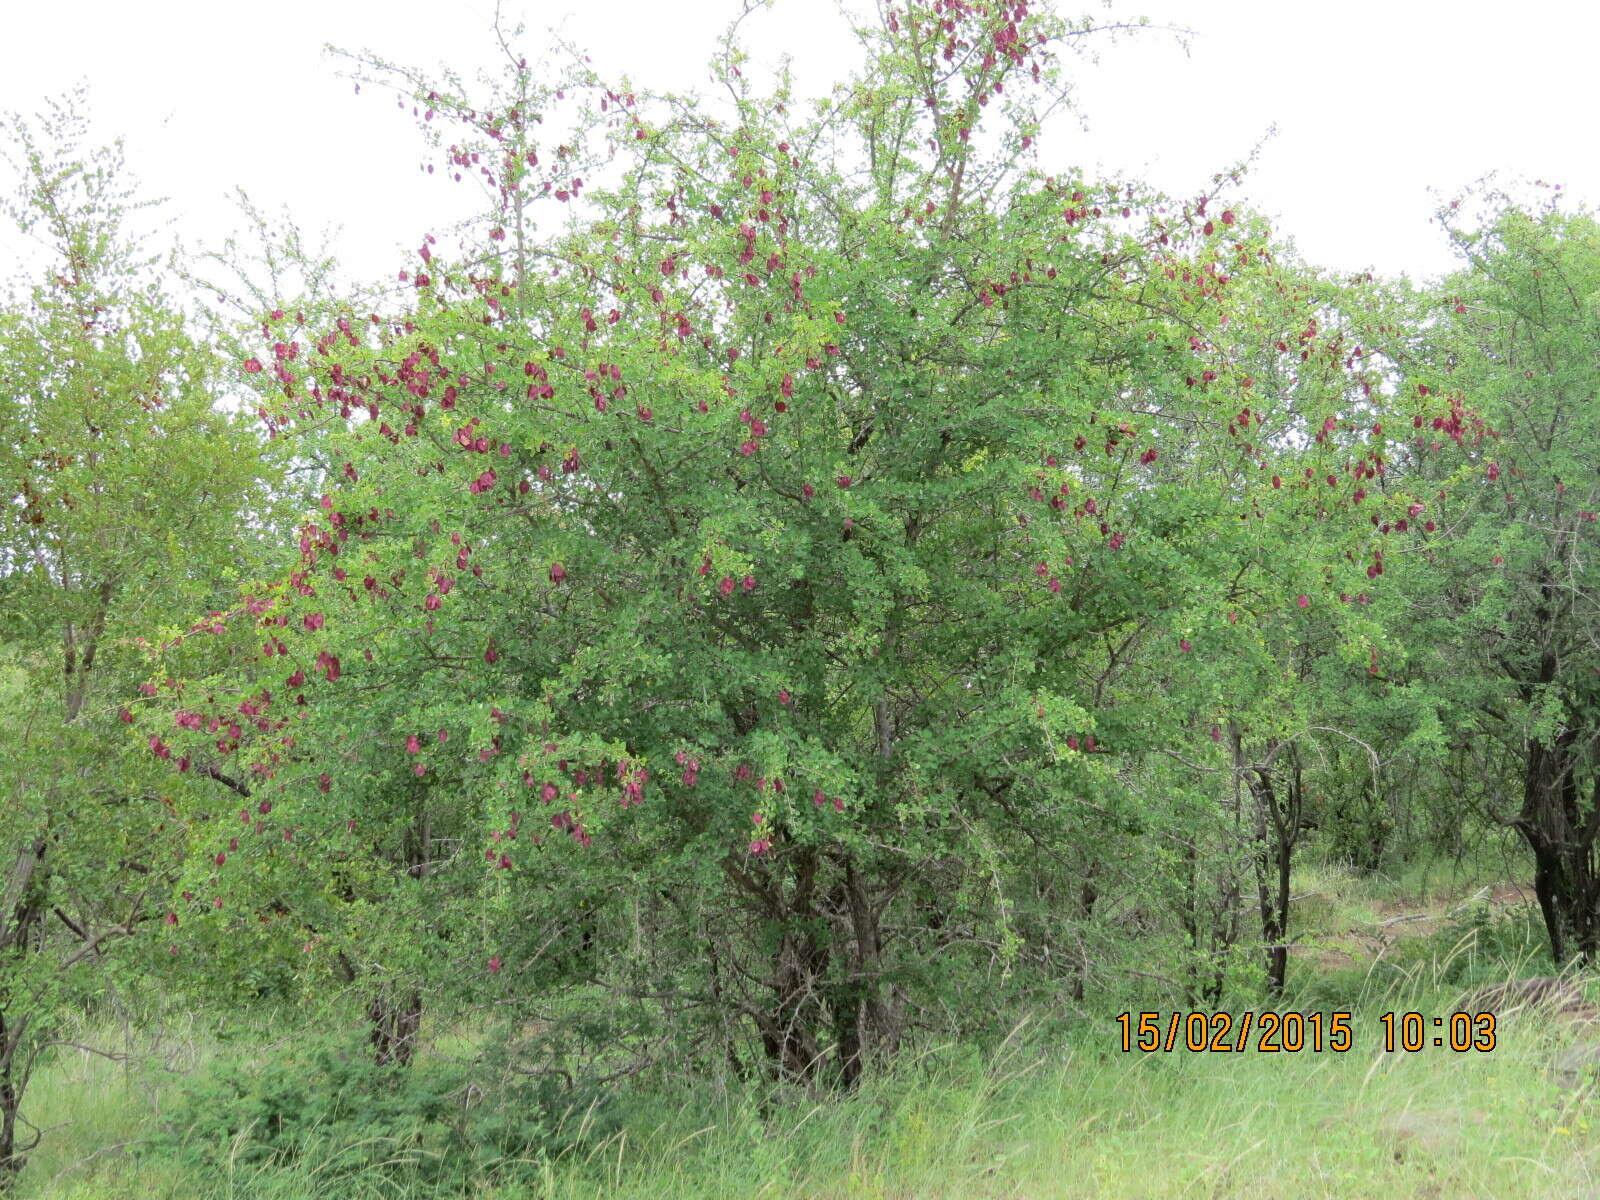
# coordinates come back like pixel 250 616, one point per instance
pixel 1375 102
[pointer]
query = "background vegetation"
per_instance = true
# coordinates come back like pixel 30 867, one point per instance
pixel 727 673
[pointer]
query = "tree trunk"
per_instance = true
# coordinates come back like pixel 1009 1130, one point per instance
pixel 1087 895
pixel 395 1014
pixel 788 1031
pixel 1562 841
pixel 1277 807
pixel 1277 830
pixel 866 1023
pixel 395 1024
pixel 788 1025
pixel 21 913
pixel 12 1085
pixel 827 967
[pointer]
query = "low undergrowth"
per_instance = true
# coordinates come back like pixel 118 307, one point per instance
pixel 1081 1119
pixel 279 1111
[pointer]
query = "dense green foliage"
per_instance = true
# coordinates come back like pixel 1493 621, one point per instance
pixel 129 495
pixel 328 1107
pixel 787 583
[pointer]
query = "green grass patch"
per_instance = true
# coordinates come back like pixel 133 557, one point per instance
pixel 1076 1119
pixel 1046 1113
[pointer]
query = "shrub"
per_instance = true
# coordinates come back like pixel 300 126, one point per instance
pixel 328 1107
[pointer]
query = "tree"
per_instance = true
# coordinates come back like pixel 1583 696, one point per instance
pixel 129 491
pixel 773 544
pixel 1514 334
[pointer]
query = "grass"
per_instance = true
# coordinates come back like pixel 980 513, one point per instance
pixel 1030 1118
pixel 1086 1120
pixel 1089 1123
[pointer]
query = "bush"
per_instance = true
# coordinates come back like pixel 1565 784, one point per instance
pixel 329 1108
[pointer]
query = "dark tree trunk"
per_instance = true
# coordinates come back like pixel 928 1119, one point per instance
pixel 22 912
pixel 395 1024
pixel 1277 831
pixel 1211 923
pixel 1275 922
pixel 394 1012
pixel 1278 803
pixel 11 1088
pixel 1087 895
pixel 1561 837
pixel 1219 931
pixel 1563 841
pixel 827 969
pixel 799 959
pixel 866 1022
pixel 13 1082
pixel 788 1032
